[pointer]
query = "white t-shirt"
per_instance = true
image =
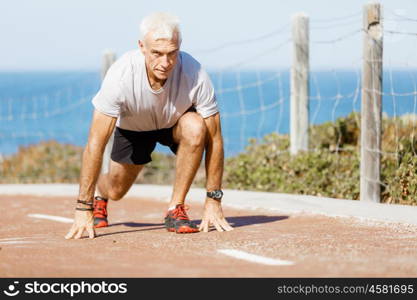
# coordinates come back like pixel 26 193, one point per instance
pixel 126 93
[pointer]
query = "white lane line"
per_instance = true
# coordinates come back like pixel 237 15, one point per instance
pixel 255 258
pixel 15 242
pixel 14 239
pixel 52 218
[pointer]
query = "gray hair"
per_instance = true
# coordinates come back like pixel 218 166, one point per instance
pixel 161 25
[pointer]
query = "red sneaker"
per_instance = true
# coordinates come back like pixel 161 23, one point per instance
pixel 176 220
pixel 100 212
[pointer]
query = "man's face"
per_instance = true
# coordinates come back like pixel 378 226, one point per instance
pixel 160 55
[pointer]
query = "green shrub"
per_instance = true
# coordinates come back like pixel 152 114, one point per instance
pixel 42 163
pixel 266 167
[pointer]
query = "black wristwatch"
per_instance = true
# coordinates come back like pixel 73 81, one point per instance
pixel 216 195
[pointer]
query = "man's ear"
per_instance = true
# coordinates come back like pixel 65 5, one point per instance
pixel 141 46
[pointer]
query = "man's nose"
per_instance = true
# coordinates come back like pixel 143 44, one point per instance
pixel 165 61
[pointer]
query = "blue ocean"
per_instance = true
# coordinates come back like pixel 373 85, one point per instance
pixel 39 106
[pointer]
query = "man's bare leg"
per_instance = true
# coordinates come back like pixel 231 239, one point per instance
pixel 190 134
pixel 115 184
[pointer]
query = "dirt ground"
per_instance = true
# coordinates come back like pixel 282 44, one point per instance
pixel 137 245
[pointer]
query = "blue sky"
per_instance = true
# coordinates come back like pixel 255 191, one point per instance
pixel 72 35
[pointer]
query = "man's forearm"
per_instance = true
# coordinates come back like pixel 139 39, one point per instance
pixel 214 163
pixel 101 128
pixel 213 213
pixel 90 170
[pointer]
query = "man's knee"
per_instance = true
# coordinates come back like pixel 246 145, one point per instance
pixel 119 180
pixel 116 189
pixel 115 194
pixel 193 130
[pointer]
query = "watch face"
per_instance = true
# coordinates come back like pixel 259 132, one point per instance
pixel 218 194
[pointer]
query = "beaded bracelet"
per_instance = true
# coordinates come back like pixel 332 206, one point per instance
pixel 85 202
pixel 84 209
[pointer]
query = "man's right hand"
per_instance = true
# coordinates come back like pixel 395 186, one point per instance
pixel 83 220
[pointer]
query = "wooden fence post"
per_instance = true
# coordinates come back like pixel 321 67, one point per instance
pixel 299 84
pixel 109 58
pixel 371 106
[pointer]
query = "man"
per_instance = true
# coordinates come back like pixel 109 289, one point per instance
pixel 154 94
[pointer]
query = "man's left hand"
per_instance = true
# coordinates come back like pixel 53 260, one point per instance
pixel 213 215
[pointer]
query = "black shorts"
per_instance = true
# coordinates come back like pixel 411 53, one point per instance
pixel 135 147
